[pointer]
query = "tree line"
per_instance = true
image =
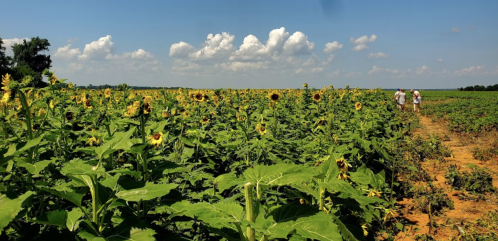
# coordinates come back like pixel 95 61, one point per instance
pixel 480 88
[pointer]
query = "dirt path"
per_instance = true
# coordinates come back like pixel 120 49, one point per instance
pixel 464 211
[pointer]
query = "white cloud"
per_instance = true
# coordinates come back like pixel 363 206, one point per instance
pixel 440 60
pixel 98 50
pixel 139 54
pixel 67 53
pixel 473 70
pixel 332 47
pixel 361 42
pixel 298 44
pixel 215 46
pixel 281 52
pixel 388 71
pixel 8 43
pixel 455 30
pixel 378 55
pixel 181 50
pixel 423 70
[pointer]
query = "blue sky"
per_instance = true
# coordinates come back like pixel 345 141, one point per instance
pixel 264 44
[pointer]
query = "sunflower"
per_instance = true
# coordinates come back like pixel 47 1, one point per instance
pixel 107 93
pixel 365 231
pixel 6 97
pixel 374 193
pixel 199 96
pixel 343 176
pixel 70 85
pixel 147 108
pixel 5 82
pixel 63 90
pixel 136 104
pixel 88 104
pixel 165 114
pixel 93 140
pixel 358 105
pixel 261 128
pixel 317 97
pixel 305 85
pixel 186 114
pixel 274 96
pixel 130 110
pixel 342 164
pixel 53 79
pixel 156 139
pixel 41 111
pixel 204 120
pixel 148 99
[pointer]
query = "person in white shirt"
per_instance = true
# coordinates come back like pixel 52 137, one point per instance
pixel 416 100
pixel 402 100
pixel 396 96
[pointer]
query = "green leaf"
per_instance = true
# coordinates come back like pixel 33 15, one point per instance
pixel 73 197
pixel 10 207
pixel 318 227
pixel 150 191
pixel 27 146
pixel 36 168
pixel 57 218
pixel 137 234
pixel 281 174
pixel 72 219
pixel 226 181
pixel 121 141
pixel 218 215
pixel 292 211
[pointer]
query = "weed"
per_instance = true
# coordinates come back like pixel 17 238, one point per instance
pixel 476 180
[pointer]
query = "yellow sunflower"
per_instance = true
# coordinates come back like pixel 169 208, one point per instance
pixel 342 164
pixel 70 85
pixel 93 140
pixel 53 79
pixel 107 93
pixel 343 176
pixel 165 114
pixel 374 193
pixel 261 128
pixel 305 85
pixel 6 97
pixel 204 120
pixel 199 96
pixel 274 96
pixel 88 104
pixel 358 105
pixel 156 139
pixel 63 90
pixel 147 108
pixel 5 82
pixel 317 97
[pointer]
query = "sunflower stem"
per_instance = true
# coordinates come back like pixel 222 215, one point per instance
pixel 250 214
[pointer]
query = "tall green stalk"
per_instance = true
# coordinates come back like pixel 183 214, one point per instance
pixel 250 214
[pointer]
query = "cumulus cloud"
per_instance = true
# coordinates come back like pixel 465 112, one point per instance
pixel 67 52
pixel 8 43
pixel 298 44
pixel 281 50
pixel 473 70
pixel 423 70
pixel 455 30
pixel 388 71
pixel 215 46
pixel 378 55
pixel 361 42
pixel 439 60
pixel 139 54
pixel 181 50
pixel 332 47
pixel 98 50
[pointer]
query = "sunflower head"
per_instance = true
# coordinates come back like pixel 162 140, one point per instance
pixel 63 90
pixel 147 108
pixel 166 114
pixel 305 85
pixel 88 104
pixel 199 96
pixel 358 105
pixel 93 140
pixel 70 85
pixel 156 139
pixel 261 128
pixel 317 97
pixel 5 82
pixel 147 99
pixel 204 120
pixel 374 193
pixel 53 79
pixel 342 164
pixel 274 96
pixel 343 176
pixel 107 93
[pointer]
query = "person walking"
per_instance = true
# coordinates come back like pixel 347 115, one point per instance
pixel 417 99
pixel 402 100
pixel 396 96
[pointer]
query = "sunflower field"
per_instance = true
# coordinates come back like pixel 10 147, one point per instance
pixel 204 164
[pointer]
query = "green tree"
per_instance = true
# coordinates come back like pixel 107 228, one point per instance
pixel 5 60
pixel 29 61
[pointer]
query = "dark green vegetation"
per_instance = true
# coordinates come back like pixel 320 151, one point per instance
pixel 28 59
pixel 480 88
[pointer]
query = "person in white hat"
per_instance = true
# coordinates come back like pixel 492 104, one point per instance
pixel 416 100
